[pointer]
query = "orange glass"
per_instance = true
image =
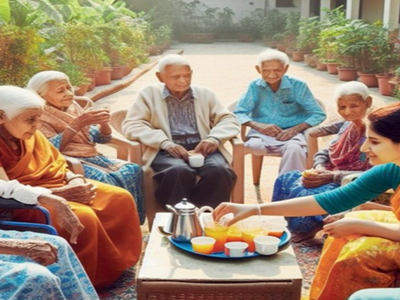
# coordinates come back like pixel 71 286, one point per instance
pixel 249 234
pixel 220 234
pixel 278 234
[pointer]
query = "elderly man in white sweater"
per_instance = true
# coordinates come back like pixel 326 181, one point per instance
pixel 174 117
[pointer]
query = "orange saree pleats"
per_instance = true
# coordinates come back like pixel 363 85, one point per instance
pixel 111 241
pixel 357 262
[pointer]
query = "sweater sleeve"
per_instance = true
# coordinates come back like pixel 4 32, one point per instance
pixel 369 185
pixel 23 193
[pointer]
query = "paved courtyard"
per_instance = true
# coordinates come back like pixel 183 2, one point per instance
pixel 227 68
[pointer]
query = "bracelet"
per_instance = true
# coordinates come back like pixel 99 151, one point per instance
pixel 259 210
pixel 75 177
pixel 70 128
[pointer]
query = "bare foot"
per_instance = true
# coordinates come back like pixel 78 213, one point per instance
pixel 302 236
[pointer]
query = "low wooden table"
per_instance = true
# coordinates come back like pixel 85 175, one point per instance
pixel 168 273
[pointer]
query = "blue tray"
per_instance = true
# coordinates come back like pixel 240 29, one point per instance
pixel 188 247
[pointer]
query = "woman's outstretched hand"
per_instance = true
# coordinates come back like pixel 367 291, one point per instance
pixel 239 211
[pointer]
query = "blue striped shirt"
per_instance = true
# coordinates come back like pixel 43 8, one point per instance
pixel 182 118
pixel 292 104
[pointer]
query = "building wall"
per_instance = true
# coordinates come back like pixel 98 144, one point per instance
pixel 372 10
pixel 243 8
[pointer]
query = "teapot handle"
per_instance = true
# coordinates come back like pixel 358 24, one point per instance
pixel 204 209
pixel 199 211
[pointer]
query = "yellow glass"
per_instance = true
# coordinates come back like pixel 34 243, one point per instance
pixel 234 234
pixel 220 234
pixel 204 249
pixel 249 234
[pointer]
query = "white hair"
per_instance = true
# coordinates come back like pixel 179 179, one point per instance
pixel 272 54
pixel 15 100
pixel 350 88
pixel 172 60
pixel 40 81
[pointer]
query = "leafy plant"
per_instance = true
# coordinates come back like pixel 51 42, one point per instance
pixel 76 76
pixel 309 29
pixel 19 54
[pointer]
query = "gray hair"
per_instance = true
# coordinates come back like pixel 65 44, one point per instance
pixel 272 54
pixel 350 88
pixel 15 100
pixel 40 81
pixel 172 60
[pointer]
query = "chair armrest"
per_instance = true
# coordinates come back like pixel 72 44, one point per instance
pixel 74 164
pixel 13 204
pixel 238 168
pixel 312 148
pixel 127 150
pixel 84 102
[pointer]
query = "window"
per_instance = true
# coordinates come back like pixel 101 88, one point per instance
pixel 284 3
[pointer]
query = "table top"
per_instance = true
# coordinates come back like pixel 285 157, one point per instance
pixel 164 261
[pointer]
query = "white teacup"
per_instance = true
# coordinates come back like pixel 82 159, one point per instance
pixel 266 245
pixel 235 249
pixel 196 160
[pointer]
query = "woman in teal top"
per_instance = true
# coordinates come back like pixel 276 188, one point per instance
pixel 363 248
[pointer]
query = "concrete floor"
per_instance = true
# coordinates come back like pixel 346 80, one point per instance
pixel 227 68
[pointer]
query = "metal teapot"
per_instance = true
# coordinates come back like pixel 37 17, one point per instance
pixel 185 224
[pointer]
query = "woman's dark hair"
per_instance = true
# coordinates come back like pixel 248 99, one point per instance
pixel 385 121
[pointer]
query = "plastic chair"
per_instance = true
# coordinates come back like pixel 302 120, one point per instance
pixel 257 161
pixel 24 226
pixel 151 204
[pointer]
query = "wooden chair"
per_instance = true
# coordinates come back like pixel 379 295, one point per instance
pixel 151 204
pixel 257 161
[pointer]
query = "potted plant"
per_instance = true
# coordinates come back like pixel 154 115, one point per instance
pixel 307 40
pixel 77 78
pixel 247 30
pixel 327 51
pixel 271 26
pixel 195 22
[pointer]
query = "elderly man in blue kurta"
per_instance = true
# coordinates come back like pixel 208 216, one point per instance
pixel 278 108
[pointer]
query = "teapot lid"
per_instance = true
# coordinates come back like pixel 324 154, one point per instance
pixel 185 206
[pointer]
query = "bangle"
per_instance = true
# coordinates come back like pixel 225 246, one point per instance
pixel 70 128
pixel 259 210
pixel 75 177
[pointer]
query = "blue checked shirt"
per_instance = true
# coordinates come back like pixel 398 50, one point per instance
pixel 292 104
pixel 182 118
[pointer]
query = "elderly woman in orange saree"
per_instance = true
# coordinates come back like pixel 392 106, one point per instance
pixel 363 248
pixel 111 239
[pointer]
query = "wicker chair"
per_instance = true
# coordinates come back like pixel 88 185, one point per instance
pixel 151 204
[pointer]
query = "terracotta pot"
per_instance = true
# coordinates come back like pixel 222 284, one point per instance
pixel 310 60
pixel 347 73
pixel 321 66
pixel 298 56
pixel 332 68
pixel 92 77
pixel 385 88
pixel 246 38
pixel 103 77
pixel 205 38
pixel 155 50
pixel 369 80
pixel 82 89
pixel 281 47
pixel 117 73
pixel 128 70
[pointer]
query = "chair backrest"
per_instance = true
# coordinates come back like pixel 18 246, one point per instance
pixel 84 102
pixel 117 117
